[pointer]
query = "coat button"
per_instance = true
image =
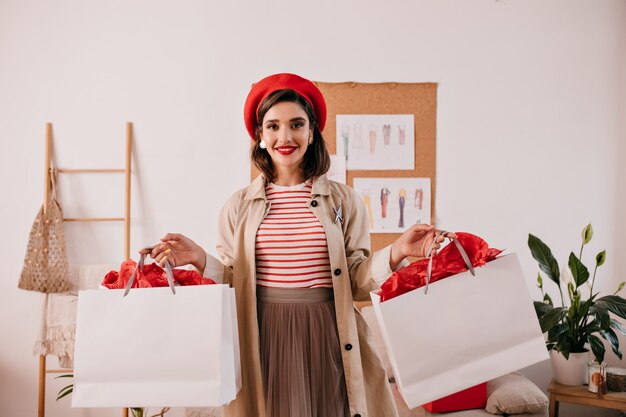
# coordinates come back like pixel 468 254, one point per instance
pixel 348 346
pixel 337 272
pixel 313 203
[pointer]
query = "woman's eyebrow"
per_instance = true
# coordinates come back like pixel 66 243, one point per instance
pixel 295 119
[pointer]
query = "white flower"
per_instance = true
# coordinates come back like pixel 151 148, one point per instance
pixel 566 279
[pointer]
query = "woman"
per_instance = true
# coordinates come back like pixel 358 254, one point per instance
pixel 295 246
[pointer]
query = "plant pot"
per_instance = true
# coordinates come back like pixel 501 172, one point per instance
pixel 572 371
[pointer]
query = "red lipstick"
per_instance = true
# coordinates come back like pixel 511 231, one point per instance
pixel 286 150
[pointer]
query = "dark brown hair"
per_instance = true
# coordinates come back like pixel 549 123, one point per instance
pixel 316 161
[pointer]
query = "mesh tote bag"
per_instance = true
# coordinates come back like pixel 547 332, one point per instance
pixel 45 265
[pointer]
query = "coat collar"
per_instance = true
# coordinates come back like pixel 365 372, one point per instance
pixel 321 186
pixel 256 189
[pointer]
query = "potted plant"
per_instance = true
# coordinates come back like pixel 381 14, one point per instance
pixel 580 320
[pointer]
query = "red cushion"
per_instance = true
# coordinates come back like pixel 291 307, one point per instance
pixel 474 397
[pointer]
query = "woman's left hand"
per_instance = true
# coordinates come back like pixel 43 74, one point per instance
pixel 416 241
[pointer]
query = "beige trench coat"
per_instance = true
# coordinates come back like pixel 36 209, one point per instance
pixel 353 267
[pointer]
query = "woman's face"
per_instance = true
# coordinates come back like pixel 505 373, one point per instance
pixel 286 131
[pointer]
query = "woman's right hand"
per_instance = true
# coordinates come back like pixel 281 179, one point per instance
pixel 415 242
pixel 178 250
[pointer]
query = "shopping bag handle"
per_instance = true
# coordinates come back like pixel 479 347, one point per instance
pixel 168 273
pixel 458 245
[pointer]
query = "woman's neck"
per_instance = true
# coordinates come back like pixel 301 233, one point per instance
pixel 288 177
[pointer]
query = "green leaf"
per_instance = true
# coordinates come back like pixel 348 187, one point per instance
pixel 620 287
pixel 597 347
pixel 611 337
pixel 539 280
pixel 137 411
pixel 587 234
pixel 584 308
pixel 541 308
pixel 602 316
pixel 552 318
pixel 547 300
pixel 600 258
pixel 563 346
pixel 65 376
pixel 65 391
pixel 618 326
pixel 590 328
pixel 579 271
pixel 543 255
pixel 614 303
pixel 556 333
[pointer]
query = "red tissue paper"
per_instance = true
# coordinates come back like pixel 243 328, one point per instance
pixel 446 263
pixel 151 276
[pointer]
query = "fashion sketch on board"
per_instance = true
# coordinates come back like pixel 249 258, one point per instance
pixel 395 204
pixel 376 141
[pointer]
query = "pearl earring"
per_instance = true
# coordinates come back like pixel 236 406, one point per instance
pixel 262 145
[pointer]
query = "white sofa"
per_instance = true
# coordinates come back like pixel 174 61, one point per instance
pixel 511 394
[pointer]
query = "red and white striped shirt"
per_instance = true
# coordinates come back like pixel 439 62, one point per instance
pixel 291 247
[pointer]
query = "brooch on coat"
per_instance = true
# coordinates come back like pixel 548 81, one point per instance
pixel 338 214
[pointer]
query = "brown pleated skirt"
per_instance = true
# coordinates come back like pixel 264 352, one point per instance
pixel 300 353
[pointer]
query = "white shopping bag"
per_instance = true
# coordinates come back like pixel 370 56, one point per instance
pixel 464 331
pixel 154 348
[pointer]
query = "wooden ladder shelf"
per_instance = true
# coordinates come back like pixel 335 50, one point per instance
pixel 43 371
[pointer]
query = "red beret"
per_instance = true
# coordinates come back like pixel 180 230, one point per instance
pixel 284 81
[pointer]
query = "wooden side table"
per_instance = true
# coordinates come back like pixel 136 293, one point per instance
pixel 579 394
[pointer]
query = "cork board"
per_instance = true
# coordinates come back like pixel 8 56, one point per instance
pixel 418 99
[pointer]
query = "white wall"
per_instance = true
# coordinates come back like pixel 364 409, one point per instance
pixel 530 137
